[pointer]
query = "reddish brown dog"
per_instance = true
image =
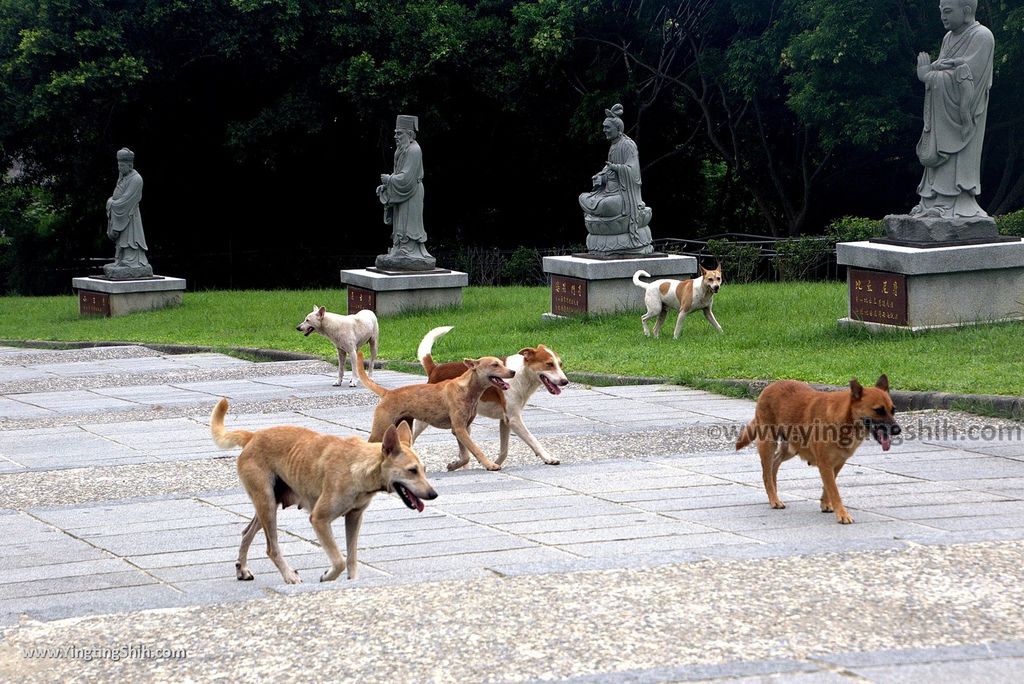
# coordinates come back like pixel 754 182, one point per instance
pixel 823 428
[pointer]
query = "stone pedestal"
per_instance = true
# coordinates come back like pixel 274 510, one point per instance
pixel 98 296
pixel 931 232
pixel 893 286
pixel 581 285
pixel 390 293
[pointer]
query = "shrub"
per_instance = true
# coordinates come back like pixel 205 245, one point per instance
pixel 523 267
pixel 854 229
pixel 739 259
pixel 798 258
pixel 1011 224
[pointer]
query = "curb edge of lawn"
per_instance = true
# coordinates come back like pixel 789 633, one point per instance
pixel 906 400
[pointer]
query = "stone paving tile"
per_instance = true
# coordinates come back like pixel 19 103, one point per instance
pixel 626 547
pixel 72 585
pixel 157 395
pixel 954 510
pixel 14 374
pixel 12 409
pixel 99 601
pixel 78 368
pixel 207 360
pixel 73 401
pixel 981 671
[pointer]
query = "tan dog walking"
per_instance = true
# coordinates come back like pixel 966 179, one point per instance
pixel 326 475
pixel 823 428
pixel 685 295
pixel 534 366
pixel 449 404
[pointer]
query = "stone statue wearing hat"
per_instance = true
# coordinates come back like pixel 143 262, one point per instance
pixel 614 212
pixel 401 193
pixel 124 223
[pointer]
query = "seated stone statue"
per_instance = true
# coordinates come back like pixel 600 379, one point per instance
pixel 614 211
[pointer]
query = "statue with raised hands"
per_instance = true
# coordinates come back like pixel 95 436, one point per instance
pixel 955 107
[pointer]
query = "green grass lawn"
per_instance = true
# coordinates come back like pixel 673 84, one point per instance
pixel 785 330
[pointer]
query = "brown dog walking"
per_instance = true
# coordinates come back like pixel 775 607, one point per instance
pixel 823 428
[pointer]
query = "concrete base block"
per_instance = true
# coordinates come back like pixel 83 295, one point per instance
pixel 386 295
pixel 595 286
pixel 108 298
pixel 944 287
pixel 102 297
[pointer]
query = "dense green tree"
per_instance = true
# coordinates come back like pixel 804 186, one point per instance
pixel 261 126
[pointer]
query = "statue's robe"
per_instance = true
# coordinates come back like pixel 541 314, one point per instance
pixel 125 219
pixel 403 193
pixel 955 110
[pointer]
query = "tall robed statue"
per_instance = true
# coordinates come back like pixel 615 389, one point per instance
pixel 401 193
pixel 614 211
pixel 124 223
pixel 955 107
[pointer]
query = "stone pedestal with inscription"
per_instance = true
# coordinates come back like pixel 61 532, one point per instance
pixel 895 286
pixel 581 285
pixel 99 296
pixel 392 292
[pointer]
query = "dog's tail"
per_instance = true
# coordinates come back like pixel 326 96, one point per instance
pixel 367 380
pixel 747 435
pixel 423 352
pixel 638 282
pixel 221 437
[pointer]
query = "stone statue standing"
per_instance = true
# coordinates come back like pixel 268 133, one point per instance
pixel 955 107
pixel 124 223
pixel 614 212
pixel 401 193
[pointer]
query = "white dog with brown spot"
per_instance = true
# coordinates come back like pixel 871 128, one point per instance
pixel 685 295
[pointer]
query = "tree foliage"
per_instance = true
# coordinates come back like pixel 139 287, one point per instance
pixel 261 126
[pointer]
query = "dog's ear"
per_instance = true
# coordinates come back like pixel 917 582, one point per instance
pixel 389 446
pixel 856 389
pixel 405 433
pixel 527 352
pixel 321 311
pixel 718 265
pixel 883 382
pixel 470 363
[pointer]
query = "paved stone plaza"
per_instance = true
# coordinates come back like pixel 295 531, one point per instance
pixel 649 555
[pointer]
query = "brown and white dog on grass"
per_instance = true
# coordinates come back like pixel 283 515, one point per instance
pixel 535 367
pixel 823 428
pixel 685 295
pixel 326 475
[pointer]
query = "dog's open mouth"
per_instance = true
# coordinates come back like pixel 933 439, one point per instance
pixel 550 386
pixel 308 333
pixel 411 501
pixel 882 434
pixel 498 382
